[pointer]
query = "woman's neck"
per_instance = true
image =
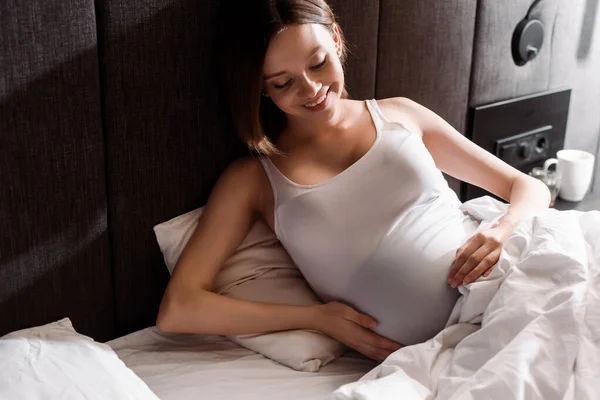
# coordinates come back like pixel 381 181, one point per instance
pixel 304 130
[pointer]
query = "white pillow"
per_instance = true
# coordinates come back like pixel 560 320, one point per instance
pixel 259 270
pixel 55 362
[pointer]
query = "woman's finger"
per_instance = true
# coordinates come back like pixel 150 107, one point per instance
pixel 363 320
pixel 381 342
pixel 490 269
pixel 463 254
pixel 374 352
pixel 367 350
pixel 486 264
pixel 473 261
pixel 366 335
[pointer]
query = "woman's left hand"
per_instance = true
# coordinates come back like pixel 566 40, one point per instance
pixel 478 256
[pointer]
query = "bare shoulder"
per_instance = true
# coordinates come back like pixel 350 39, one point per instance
pixel 243 168
pixel 245 174
pixel 246 180
pixel 404 111
pixel 399 104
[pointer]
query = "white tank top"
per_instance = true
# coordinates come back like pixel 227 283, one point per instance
pixel 380 236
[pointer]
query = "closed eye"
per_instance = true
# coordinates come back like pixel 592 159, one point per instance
pixel 286 84
pixel 314 67
pixel 320 64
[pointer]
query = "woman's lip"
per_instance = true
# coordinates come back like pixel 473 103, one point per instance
pixel 316 98
pixel 321 106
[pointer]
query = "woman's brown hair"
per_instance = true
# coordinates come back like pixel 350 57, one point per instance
pixel 246 30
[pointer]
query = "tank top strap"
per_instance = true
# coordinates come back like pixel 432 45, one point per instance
pixel 378 117
pixel 277 181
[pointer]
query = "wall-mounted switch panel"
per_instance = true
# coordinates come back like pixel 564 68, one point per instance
pixel 523 132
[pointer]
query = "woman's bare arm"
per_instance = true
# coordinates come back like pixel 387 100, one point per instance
pixel 188 305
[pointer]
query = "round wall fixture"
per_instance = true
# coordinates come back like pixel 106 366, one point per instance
pixel 527 38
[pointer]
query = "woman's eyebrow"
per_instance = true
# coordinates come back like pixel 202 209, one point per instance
pixel 266 78
pixel 271 76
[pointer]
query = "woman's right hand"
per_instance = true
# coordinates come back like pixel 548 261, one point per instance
pixel 353 329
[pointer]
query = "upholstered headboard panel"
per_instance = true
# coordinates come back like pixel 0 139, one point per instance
pixel 167 135
pixel 425 54
pixel 360 21
pixel 54 251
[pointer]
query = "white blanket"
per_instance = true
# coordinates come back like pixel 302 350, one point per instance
pixel 531 330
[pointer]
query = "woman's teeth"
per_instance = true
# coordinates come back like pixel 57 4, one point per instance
pixel 317 102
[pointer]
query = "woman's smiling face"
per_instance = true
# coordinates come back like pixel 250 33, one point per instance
pixel 302 72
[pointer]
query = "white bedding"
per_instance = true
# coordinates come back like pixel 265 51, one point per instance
pixel 529 331
pixel 182 367
pixel 53 361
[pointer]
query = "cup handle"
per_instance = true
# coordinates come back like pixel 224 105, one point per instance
pixel 550 162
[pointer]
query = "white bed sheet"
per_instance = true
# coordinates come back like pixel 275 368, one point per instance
pixel 182 367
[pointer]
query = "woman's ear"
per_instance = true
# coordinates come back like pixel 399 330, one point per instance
pixel 337 38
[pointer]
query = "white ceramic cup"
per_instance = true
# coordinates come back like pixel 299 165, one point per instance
pixel 575 168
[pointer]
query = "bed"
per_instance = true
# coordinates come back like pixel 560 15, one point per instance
pixel 179 367
pixel 111 122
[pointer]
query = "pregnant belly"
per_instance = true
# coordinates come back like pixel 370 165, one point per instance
pixel 403 283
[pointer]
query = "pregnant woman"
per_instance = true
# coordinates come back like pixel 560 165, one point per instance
pixel 353 190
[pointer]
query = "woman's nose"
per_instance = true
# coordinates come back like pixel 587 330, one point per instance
pixel 310 87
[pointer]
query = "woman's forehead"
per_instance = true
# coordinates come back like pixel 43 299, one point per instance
pixel 295 43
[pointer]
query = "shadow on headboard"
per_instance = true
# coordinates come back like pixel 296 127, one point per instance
pixel 54 253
